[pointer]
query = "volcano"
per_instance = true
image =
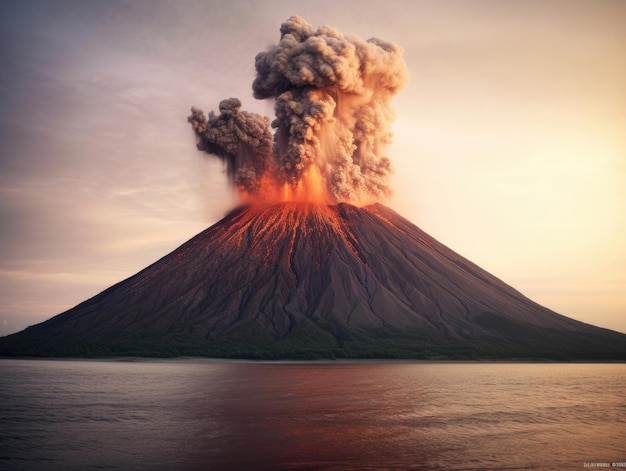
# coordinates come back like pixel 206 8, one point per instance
pixel 305 280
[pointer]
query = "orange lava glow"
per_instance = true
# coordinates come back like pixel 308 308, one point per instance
pixel 310 188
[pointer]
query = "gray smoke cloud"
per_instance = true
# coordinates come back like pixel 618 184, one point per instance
pixel 241 139
pixel 332 101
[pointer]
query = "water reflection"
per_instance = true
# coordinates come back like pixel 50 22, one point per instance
pixel 190 415
pixel 303 416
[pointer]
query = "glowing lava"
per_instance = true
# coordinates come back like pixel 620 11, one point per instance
pixel 310 188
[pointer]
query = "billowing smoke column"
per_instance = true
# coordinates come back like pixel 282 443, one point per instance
pixel 243 140
pixel 332 100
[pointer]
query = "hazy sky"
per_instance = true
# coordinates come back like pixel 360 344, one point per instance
pixel 510 139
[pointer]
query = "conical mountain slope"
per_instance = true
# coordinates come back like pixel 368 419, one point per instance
pixel 298 280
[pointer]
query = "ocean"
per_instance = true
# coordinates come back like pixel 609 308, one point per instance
pixel 202 414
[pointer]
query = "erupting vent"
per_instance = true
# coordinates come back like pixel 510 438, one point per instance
pixel 300 272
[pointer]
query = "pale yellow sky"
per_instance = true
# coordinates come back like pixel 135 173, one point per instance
pixel 509 140
pixel 520 150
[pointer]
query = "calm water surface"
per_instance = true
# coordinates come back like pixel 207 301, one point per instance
pixel 203 414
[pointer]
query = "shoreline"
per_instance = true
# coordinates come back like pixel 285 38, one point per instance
pixel 341 361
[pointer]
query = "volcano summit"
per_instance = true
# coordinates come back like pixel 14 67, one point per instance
pixel 303 280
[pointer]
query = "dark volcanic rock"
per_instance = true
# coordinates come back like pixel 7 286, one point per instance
pixel 297 280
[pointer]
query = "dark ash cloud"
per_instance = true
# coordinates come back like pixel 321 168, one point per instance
pixel 332 101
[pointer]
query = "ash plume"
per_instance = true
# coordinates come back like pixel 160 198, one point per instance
pixel 332 102
pixel 243 140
